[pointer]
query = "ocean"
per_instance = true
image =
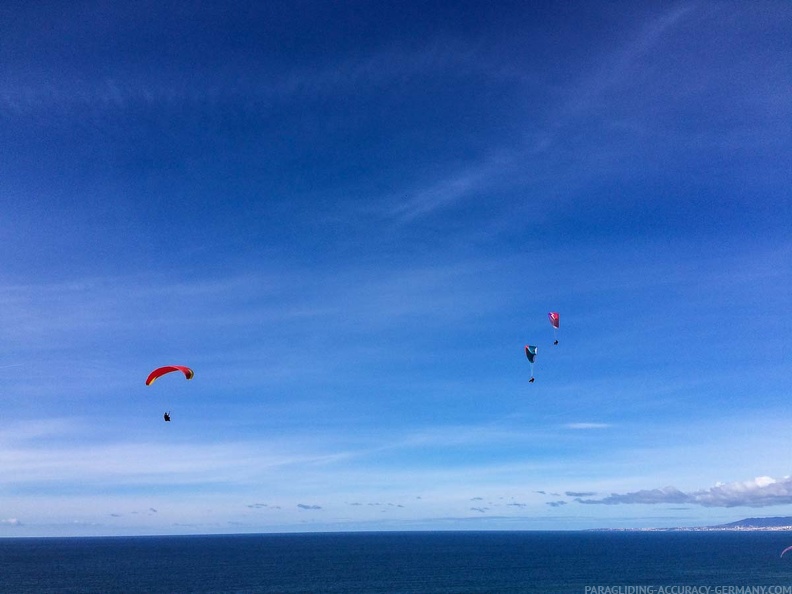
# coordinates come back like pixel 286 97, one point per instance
pixel 404 562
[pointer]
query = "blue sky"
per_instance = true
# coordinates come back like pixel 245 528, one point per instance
pixel 348 219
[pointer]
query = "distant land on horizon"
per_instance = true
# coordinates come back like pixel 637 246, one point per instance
pixel 777 523
pixel 782 522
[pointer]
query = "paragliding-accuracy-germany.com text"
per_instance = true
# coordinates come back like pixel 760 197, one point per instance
pixel 688 590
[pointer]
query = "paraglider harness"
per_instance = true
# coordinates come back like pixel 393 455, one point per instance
pixel 166 416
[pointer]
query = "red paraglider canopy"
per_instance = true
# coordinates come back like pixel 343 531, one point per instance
pixel 554 318
pixel 160 371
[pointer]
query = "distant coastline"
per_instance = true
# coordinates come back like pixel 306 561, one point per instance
pixel 775 524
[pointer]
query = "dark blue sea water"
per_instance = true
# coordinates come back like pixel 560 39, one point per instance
pixel 409 562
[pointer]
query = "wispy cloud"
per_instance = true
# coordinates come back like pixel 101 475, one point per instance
pixel 615 69
pixel 129 464
pixel 466 183
pixel 377 69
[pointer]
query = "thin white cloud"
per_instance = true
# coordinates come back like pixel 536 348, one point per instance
pixel 45 456
pixel 378 70
pixel 443 193
pixel 617 68
pixel 613 71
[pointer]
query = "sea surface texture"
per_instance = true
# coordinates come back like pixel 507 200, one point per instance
pixel 414 562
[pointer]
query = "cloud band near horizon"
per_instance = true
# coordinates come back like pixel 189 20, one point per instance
pixel 762 491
